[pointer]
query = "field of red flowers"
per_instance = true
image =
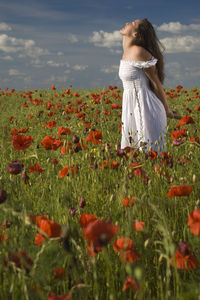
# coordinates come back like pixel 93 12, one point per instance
pixel 83 219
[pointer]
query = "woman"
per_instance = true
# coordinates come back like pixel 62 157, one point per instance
pixel 145 108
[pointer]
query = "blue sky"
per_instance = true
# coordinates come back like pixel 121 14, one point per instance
pixel 45 42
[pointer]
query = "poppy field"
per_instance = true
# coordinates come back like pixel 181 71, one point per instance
pixel 83 219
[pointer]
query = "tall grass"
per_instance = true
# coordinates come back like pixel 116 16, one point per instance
pixel 102 190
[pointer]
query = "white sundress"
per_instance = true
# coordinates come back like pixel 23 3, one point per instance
pixel 144 121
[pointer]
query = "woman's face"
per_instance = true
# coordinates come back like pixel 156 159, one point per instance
pixel 130 29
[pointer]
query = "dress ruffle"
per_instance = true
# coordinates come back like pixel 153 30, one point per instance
pixel 142 64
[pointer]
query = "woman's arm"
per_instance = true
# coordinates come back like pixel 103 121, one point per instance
pixel 151 73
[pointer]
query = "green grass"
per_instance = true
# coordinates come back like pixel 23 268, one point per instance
pixel 102 189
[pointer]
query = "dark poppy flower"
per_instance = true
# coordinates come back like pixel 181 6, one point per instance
pixel 130 283
pixel 19 260
pixel 15 167
pixel 99 233
pixel 179 190
pixel 183 259
pixel 194 222
pixel 3 196
pixel 178 142
pixel 21 142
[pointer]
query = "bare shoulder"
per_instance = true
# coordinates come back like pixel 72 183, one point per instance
pixel 140 53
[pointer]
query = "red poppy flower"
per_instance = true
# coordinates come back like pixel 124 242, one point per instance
pixel 178 133
pixel 52 296
pixel 64 172
pixel 138 225
pixel 99 233
pixel 130 283
pixel 114 165
pixel 197 108
pixel 194 222
pixel 20 260
pixel 50 143
pixel 21 142
pixel 183 259
pixel 53 87
pixel 93 251
pixel 179 190
pixel 51 228
pixel 51 124
pixel 63 131
pixel 86 218
pixel 95 137
pixel 35 168
pixel 129 201
pixel 152 155
pixel 129 256
pixel 123 244
pixel 3 237
pixel 58 272
pixel 186 120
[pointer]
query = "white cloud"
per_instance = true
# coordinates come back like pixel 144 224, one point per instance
pixel 53 64
pixel 181 44
pixel 111 69
pixel 80 67
pixel 5 27
pixel 7 57
pixel 27 47
pixel 177 27
pixel 14 72
pixel 106 39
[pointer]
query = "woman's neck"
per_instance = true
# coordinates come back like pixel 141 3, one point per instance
pixel 127 43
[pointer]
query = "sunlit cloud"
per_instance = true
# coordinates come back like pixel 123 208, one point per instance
pixel 177 27
pixel 106 39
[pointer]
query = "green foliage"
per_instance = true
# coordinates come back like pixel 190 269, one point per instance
pixel 102 189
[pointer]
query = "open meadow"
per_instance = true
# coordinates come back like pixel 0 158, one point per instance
pixel 82 219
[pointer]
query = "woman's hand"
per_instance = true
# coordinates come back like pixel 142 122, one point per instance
pixel 172 114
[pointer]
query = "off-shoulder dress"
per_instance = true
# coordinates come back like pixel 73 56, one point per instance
pixel 144 121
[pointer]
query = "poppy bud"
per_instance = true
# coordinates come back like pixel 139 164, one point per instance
pixel 72 211
pixel 75 139
pixel 3 196
pixel 184 248
pixel 15 167
pixel 25 177
pixel 82 202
